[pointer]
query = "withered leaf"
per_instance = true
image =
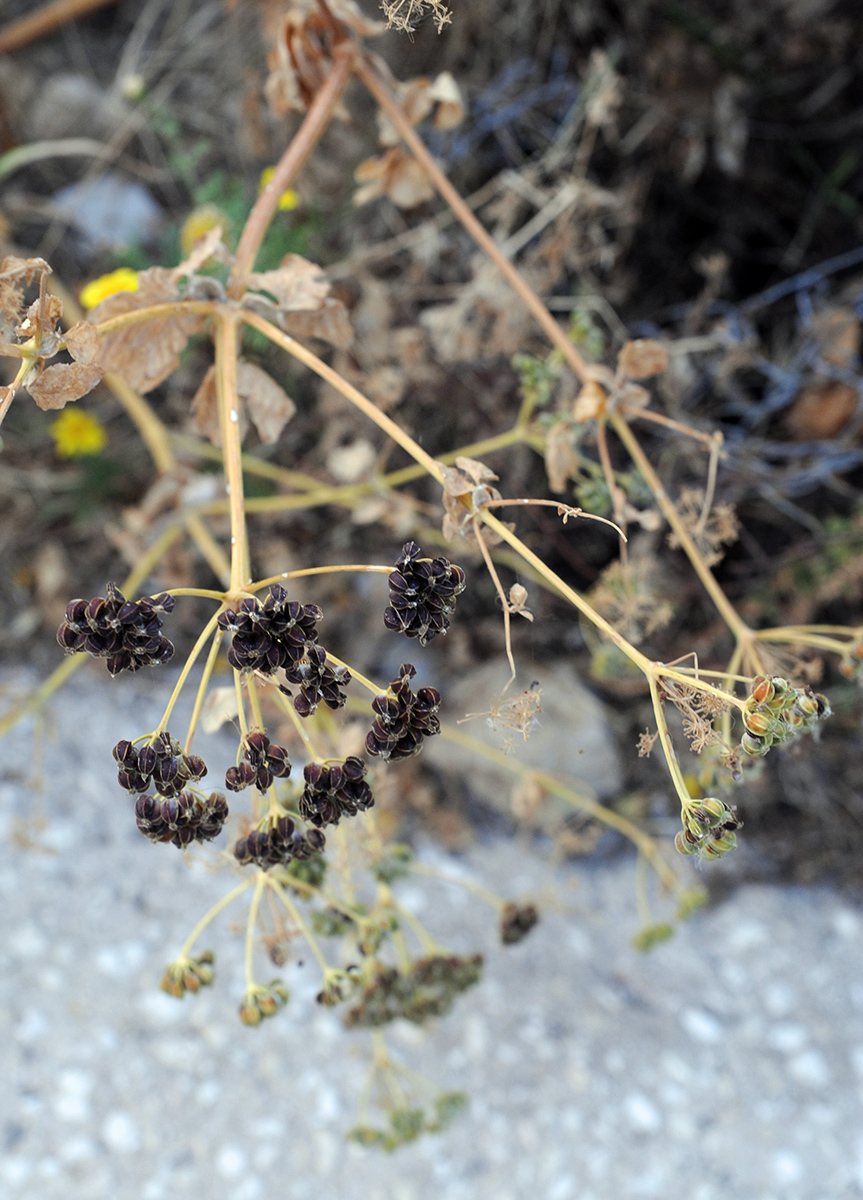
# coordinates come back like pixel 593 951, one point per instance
pixel 15 274
pixel 268 405
pixel 396 174
pixel 205 410
pixel 43 315
pixel 209 245
pixel 330 323
pixel 59 384
pixel 642 358
pixel 82 342
pixel 561 460
pixel 145 354
pixel 296 285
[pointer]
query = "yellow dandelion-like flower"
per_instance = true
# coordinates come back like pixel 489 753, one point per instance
pixel 288 200
pixel 124 279
pixel 198 223
pixel 77 433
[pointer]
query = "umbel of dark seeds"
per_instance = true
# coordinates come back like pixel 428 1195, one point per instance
pixel 183 818
pixel 281 842
pixel 422 594
pixel 161 764
pixel 334 791
pixel 263 761
pixel 403 719
pixel 318 681
pixel 128 633
pixel 271 635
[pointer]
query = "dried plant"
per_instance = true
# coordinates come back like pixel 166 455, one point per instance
pixel 305 831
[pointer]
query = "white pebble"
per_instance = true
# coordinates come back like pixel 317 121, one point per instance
pixel 642 1114
pixel 120 1133
pixel 787 1167
pixel 810 1068
pixel 231 1162
pixel 787 1037
pixel 701 1025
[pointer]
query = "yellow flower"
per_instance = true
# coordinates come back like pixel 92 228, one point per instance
pixel 124 279
pixel 199 222
pixel 288 200
pixel 77 433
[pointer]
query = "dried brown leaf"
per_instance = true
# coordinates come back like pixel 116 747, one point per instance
pixel 297 285
pixel 209 245
pixel 82 342
pixel 330 323
pixel 642 358
pixel 268 405
pixel 561 458
pixel 145 354
pixel 205 410
pixel 59 384
pixel 396 174
pixel 16 274
pixel 822 410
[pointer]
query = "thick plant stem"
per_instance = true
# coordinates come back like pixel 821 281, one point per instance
pixel 379 89
pixel 303 143
pixel 726 609
pixel 229 425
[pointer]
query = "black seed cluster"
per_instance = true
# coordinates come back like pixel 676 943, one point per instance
pixel 422 594
pixel 162 764
pixel 516 922
pixel 317 682
pixel 183 818
pixel 128 633
pixel 428 990
pixel 262 762
pixel 271 635
pixel 336 791
pixel 403 719
pixel 278 844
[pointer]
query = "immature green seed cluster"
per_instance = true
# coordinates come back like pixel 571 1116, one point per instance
pixel 428 989
pixel 188 974
pixel 263 1002
pixel 777 712
pixel 406 1124
pixel 709 829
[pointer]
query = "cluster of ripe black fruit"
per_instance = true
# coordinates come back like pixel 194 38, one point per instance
pixel 422 594
pixel 403 719
pixel 280 843
pixel 127 633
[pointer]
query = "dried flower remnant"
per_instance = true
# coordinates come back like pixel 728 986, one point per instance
pixel 127 633
pixel 423 593
pixel 403 719
pixel 405 15
pixel 710 531
pixel 516 922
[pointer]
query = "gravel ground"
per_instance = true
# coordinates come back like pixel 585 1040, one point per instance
pixel 726 1063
